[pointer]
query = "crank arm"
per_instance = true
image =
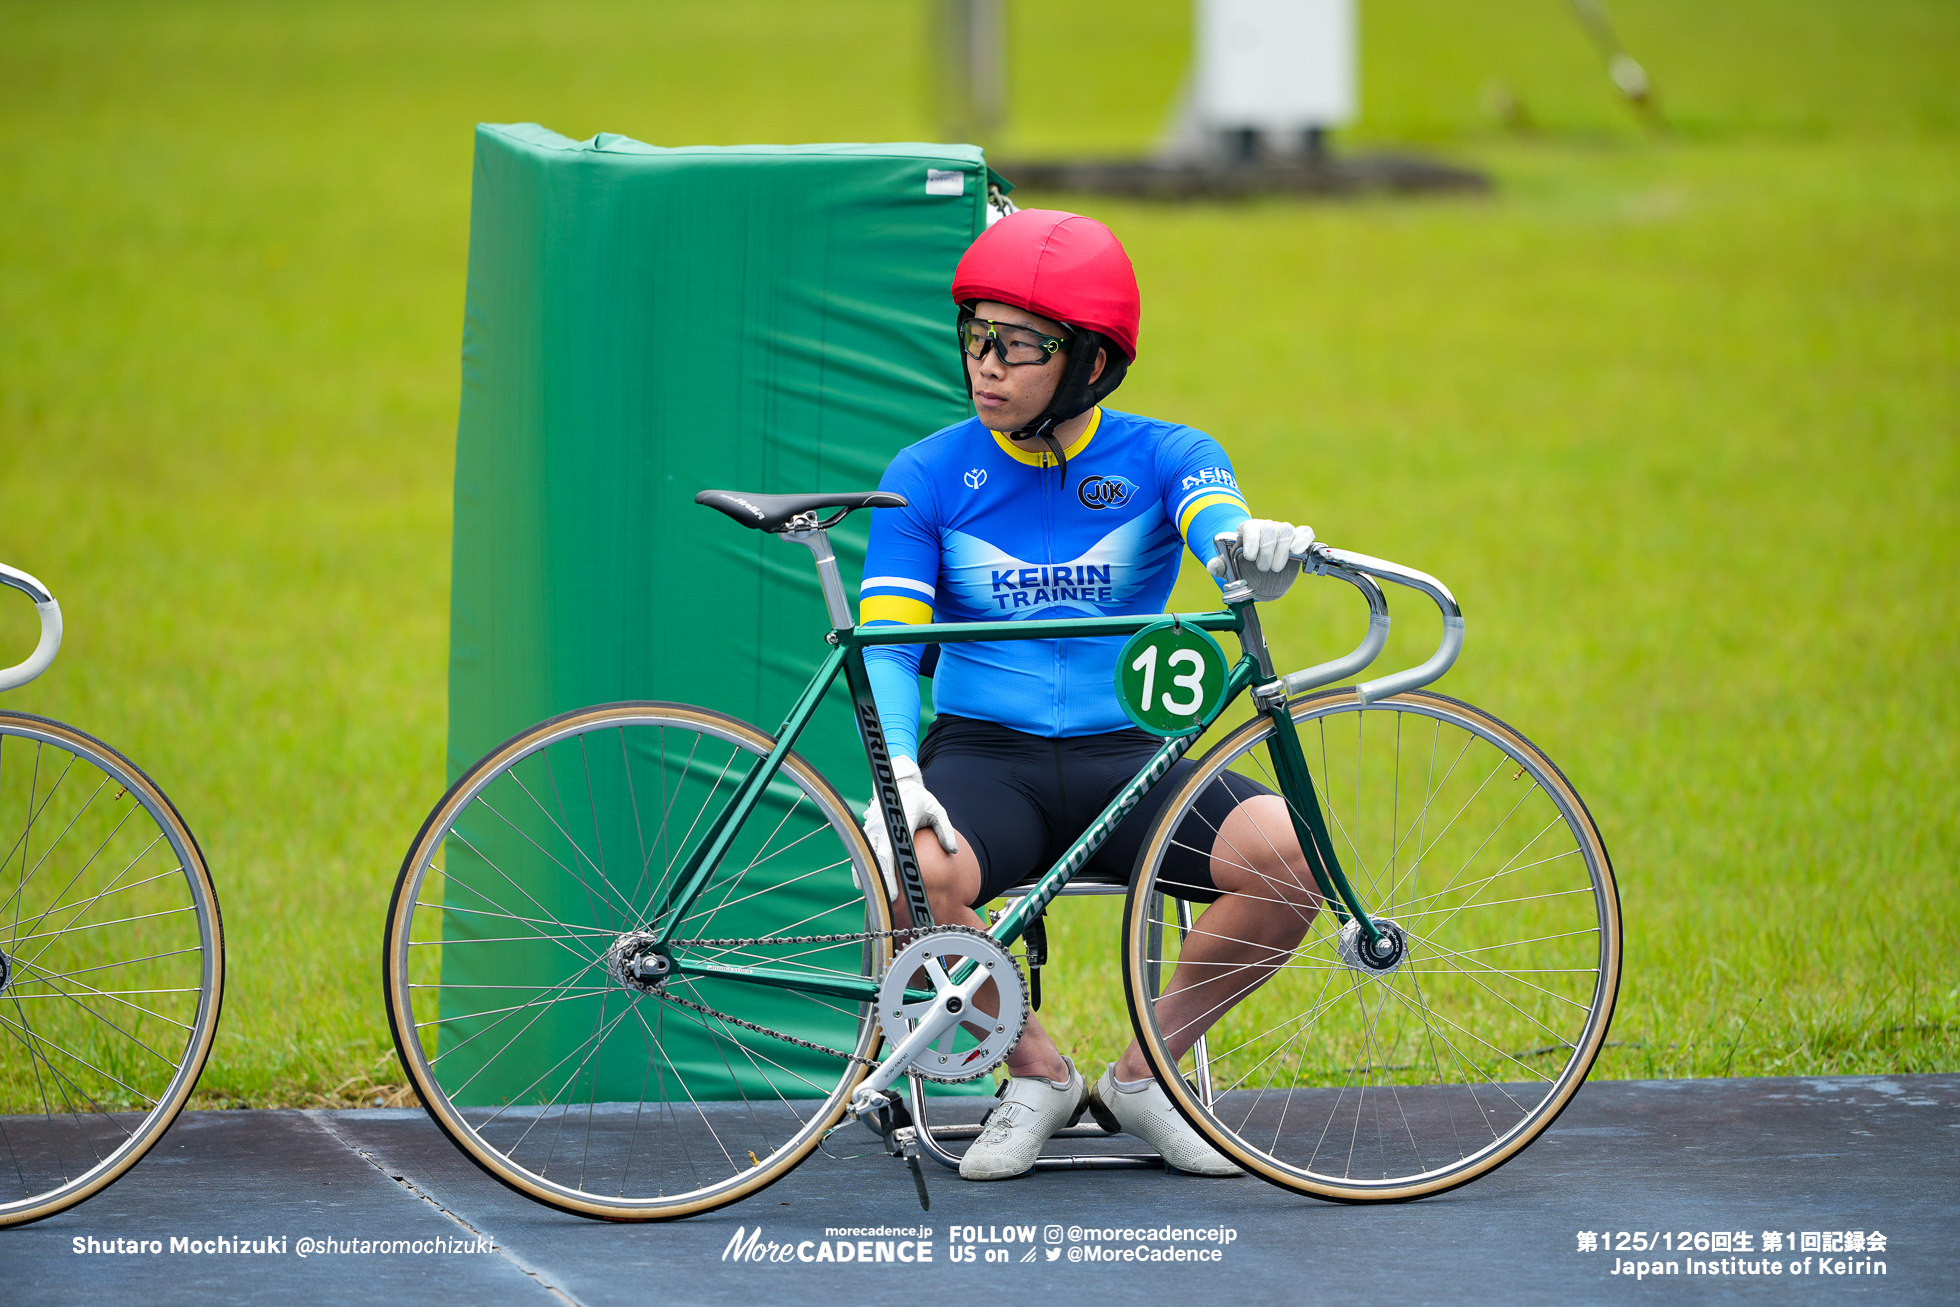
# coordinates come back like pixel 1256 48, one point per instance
pixel 950 1010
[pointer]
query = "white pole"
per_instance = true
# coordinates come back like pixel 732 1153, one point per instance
pixel 1269 77
pixel 972 40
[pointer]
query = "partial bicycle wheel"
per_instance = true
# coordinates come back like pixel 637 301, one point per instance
pixel 1391 1078
pixel 557 1064
pixel 111 966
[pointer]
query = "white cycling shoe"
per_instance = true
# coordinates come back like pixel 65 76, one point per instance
pixel 1030 1110
pixel 1147 1113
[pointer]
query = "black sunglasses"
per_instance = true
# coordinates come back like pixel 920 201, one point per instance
pixel 1013 344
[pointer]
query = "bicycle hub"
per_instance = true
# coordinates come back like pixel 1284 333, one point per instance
pixel 634 963
pixel 6 971
pixel 1384 956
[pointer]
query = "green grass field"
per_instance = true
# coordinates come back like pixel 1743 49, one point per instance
pixel 1674 413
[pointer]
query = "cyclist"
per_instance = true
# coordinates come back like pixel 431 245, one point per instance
pixel 1046 504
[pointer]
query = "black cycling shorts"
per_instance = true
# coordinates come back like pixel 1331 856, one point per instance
pixel 1021 800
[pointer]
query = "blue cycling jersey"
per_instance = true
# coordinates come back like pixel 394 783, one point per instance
pixel 990 534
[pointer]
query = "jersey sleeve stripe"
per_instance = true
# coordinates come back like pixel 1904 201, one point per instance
pixel 897 583
pixel 1202 502
pixel 891 608
pixel 1202 491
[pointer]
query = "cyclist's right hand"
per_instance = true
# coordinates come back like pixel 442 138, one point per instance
pixel 1270 545
pixel 1272 552
pixel 921 810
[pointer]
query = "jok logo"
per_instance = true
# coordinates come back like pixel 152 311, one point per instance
pixel 1100 492
pixel 976 478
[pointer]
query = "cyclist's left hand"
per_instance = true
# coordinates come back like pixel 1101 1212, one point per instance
pixel 922 810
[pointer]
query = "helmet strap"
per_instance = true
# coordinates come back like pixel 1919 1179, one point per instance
pixel 1046 433
pixel 1074 395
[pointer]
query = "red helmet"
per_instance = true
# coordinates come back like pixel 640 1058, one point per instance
pixel 1061 265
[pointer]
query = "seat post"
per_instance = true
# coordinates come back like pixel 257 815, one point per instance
pixel 803 529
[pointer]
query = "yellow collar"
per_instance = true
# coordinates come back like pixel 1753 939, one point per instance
pixel 1044 458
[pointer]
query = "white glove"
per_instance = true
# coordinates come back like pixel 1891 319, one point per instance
pixel 1268 545
pixel 1272 554
pixel 921 811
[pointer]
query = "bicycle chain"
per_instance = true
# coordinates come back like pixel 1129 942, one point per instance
pixel 731 1019
pixel 705 1010
pixel 858 937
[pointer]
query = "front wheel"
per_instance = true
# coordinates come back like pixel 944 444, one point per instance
pixel 1336 1076
pixel 111 966
pixel 519 1006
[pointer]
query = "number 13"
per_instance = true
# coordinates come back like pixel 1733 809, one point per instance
pixel 1194 680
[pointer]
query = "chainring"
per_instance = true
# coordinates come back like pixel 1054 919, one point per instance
pixel 970 1049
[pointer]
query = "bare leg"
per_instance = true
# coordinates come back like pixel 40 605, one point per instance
pixel 953 881
pixel 1238 942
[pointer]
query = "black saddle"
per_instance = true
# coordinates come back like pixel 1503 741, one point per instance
pixel 773 512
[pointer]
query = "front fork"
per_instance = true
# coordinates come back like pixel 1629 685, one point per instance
pixel 1290 766
pixel 1309 824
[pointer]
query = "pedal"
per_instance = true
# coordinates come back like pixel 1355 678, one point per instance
pixel 890 1115
pixel 907 1140
pixel 1035 937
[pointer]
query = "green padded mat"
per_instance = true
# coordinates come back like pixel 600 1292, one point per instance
pixel 643 323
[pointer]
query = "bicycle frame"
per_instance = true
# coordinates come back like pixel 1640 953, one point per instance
pixel 1253 671
pixel 610 1016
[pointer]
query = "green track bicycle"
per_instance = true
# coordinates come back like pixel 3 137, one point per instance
pixel 641 960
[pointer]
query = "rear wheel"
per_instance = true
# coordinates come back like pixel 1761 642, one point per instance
pixel 539 1045
pixel 1358 1080
pixel 111 966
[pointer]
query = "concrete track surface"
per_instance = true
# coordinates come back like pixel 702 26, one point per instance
pixel 1824 1164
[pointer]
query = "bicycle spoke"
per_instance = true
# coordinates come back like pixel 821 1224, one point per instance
pixel 1357 1083
pixel 109 941
pixel 533 1039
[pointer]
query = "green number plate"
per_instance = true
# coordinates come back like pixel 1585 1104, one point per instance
pixel 1170 679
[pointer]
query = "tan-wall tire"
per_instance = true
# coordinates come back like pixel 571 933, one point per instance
pixel 199 957
pixel 1572 887
pixel 741 740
